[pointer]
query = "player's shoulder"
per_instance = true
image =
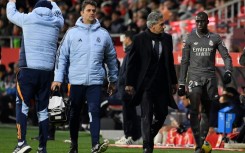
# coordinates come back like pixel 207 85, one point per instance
pixel 214 36
pixel 72 29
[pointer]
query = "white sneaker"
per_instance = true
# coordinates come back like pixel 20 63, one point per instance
pixel 128 141
pixel 122 139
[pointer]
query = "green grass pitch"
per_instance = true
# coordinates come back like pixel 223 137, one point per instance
pixel 8 142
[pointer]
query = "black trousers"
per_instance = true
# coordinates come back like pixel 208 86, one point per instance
pixel 201 93
pixel 131 121
pixel 241 136
pixel 153 115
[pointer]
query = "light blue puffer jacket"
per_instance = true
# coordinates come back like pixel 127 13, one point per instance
pixel 41 29
pixel 82 52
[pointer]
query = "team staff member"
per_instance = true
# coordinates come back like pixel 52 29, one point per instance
pixel 40 31
pixel 151 77
pixel 198 58
pixel 82 52
pixel 131 121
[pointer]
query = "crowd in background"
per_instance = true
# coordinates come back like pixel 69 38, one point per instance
pixel 116 16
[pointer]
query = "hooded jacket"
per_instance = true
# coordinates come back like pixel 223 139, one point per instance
pixel 41 29
pixel 83 50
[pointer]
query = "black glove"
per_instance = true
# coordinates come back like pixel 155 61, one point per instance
pixel 181 90
pixel 227 77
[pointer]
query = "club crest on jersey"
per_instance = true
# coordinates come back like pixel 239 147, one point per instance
pixel 195 43
pixel 211 43
pixel 98 40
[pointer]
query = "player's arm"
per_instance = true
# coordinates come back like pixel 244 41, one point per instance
pixel 57 12
pixel 13 14
pixel 227 60
pixel 224 54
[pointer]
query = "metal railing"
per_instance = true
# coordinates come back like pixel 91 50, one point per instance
pixel 225 13
pixel 228 13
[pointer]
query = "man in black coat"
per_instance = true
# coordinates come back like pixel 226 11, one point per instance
pixel 151 77
pixel 131 121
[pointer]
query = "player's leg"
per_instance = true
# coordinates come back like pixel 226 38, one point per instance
pixel 42 101
pixel 195 105
pixel 77 98
pixel 25 93
pixel 146 121
pixel 209 98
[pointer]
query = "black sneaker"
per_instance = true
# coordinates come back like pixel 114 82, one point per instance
pixel 22 149
pixel 73 150
pixel 41 150
pixel 199 150
pixel 99 148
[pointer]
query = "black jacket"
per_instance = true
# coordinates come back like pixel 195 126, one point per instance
pixel 242 58
pixel 122 76
pixel 139 61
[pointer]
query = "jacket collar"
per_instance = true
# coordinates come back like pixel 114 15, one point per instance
pixel 93 26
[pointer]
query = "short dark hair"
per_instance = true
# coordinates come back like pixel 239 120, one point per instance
pixel 88 2
pixel 130 34
pixel 203 14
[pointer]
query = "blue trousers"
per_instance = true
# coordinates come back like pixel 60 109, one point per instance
pixel 79 94
pixel 33 84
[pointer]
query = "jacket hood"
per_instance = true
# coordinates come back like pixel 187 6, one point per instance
pixel 43 11
pixel 93 26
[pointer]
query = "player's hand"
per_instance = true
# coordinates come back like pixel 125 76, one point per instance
pixel 227 77
pixel 111 88
pixel 129 90
pixel 181 90
pixel 55 85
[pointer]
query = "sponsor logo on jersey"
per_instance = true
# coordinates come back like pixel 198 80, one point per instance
pixel 211 43
pixel 202 51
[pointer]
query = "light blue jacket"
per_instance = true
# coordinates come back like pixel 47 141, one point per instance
pixel 41 29
pixel 82 52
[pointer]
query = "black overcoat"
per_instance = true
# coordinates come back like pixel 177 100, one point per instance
pixel 139 61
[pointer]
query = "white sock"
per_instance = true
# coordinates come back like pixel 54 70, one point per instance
pixel 21 143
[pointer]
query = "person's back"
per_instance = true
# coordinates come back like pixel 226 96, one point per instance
pixel 37 57
pixel 40 30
